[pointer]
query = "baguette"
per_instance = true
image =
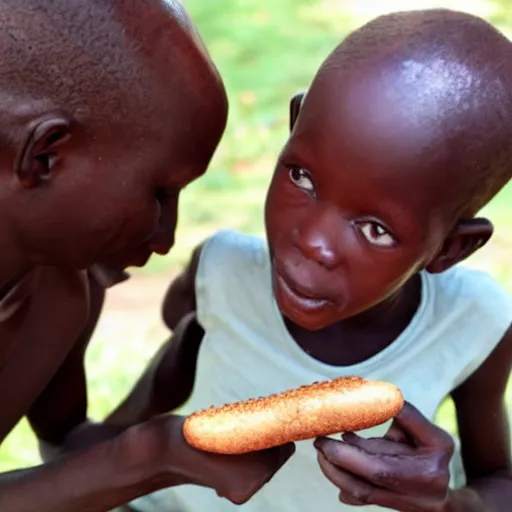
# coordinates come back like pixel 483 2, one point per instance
pixel 323 408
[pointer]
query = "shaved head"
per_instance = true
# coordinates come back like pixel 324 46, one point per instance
pixel 108 108
pixel 442 82
pixel 404 134
pixel 98 56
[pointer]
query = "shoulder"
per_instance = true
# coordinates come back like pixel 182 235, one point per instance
pixel 488 383
pixel 231 246
pixel 229 256
pixel 232 274
pixel 473 314
pixel 473 294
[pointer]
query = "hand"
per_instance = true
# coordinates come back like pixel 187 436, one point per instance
pixel 239 477
pixel 160 444
pixel 407 470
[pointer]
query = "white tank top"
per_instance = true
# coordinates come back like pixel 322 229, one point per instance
pixel 248 352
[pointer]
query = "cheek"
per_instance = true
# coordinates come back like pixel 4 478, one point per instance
pixel 285 206
pixel 373 276
pixel 123 221
pixel 137 221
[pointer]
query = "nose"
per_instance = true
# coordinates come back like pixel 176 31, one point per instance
pixel 318 236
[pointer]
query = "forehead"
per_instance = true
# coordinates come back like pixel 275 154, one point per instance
pixel 388 126
pixel 172 105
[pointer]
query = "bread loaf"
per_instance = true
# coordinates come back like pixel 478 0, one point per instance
pixel 320 409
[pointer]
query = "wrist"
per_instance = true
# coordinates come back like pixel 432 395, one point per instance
pixel 153 453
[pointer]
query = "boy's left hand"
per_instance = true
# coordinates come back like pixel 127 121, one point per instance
pixel 407 470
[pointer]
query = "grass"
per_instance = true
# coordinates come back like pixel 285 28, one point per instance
pixel 266 51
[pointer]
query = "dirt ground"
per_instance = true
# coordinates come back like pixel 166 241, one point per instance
pixel 135 306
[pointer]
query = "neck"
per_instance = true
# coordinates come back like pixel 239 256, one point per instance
pixel 356 339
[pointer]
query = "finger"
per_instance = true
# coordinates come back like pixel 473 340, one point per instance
pixel 374 468
pixel 356 492
pixel 421 430
pixel 285 452
pixel 353 490
pixel 413 472
pixel 281 455
pixel 391 471
pixel 377 445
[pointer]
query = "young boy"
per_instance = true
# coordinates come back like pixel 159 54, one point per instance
pixel 108 109
pixel 404 135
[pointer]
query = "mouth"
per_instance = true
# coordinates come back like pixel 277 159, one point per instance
pixel 143 255
pixel 124 261
pixel 140 260
pixel 296 296
pixel 108 277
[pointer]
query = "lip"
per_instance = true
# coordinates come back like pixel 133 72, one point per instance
pixel 301 289
pixel 142 257
pixel 140 260
pixel 299 297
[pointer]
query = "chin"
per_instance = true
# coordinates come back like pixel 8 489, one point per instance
pixel 107 276
pixel 310 321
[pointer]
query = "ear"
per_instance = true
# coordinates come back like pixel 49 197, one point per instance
pixel 295 104
pixel 39 153
pixel 467 237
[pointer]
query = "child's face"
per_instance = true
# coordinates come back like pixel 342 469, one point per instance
pixel 353 208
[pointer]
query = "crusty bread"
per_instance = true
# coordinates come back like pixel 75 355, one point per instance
pixel 320 409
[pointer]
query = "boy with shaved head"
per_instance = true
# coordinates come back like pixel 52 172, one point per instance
pixel 108 109
pixel 403 136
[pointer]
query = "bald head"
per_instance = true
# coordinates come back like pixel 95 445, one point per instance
pixel 440 83
pixel 103 57
pixel 108 108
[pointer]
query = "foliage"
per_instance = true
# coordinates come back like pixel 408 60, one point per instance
pixel 266 50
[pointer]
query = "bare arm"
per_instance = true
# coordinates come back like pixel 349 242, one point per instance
pixel 485 436
pixel 143 459
pixel 62 406
pixel 180 299
pixel 96 467
pixel 408 468
pixel 169 379
pixel 114 471
pixel 102 477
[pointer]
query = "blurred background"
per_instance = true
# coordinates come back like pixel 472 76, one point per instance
pixel 266 50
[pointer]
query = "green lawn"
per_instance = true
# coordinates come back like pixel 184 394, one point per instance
pixel 266 50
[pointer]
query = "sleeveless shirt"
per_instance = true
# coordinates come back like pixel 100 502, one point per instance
pixel 248 352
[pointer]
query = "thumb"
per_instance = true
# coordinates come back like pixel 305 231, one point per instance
pixel 285 452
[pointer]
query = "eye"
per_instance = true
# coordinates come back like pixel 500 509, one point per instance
pixel 376 234
pixel 301 179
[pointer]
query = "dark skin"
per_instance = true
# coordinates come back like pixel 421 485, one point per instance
pixel 90 175
pixel 346 248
